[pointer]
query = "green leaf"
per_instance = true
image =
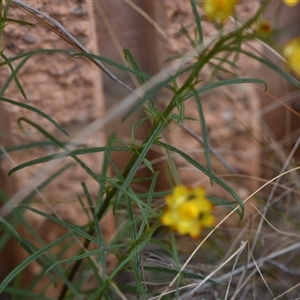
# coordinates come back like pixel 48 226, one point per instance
pixel 37 111
pixel 204 133
pixel 197 21
pixel 34 52
pixel 83 207
pixel 127 257
pixel 115 64
pixel 102 252
pixel 183 30
pixel 104 174
pixel 60 144
pixel 273 66
pixel 160 85
pixel 134 167
pixel 31 259
pixel 220 202
pixel 24 294
pixel 129 57
pixel 14 74
pixel 74 258
pixel 146 212
pixel 72 228
pixel 11 77
pixel 7 227
pixel 61 155
pixel 36 145
pixel 20 22
pixel 213 177
pixel 215 85
pixel 45 183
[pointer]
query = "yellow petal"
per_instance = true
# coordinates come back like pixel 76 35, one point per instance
pixel 188 210
pixel 291 52
pixel 219 10
pixel 291 2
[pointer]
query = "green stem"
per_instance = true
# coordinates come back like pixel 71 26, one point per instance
pixel 157 128
pixel 75 267
pixel 131 168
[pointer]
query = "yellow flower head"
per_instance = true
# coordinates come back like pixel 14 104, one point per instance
pixel 291 2
pixel 219 10
pixel 188 211
pixel 291 53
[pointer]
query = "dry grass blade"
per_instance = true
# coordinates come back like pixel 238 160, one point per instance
pixel 295 246
pixel 289 290
pixel 272 226
pixel 261 261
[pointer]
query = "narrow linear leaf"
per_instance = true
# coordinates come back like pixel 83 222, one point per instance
pixel 146 146
pixel 7 227
pixel 28 261
pixel 146 212
pixel 45 183
pixel 136 248
pixel 21 22
pixel 204 133
pixel 17 217
pixel 224 60
pixel 84 208
pixel 119 177
pixel 215 85
pixel 75 258
pixel 115 64
pixel 34 52
pixel 36 145
pixel 219 68
pixel 23 294
pixel 273 66
pixel 73 228
pixel 6 11
pixel 160 85
pixel 220 202
pixel 10 78
pixel 60 144
pixel 14 74
pixel 37 111
pixel 140 289
pixel 184 31
pixel 90 202
pixel 102 252
pixel 215 178
pixel 197 20
pixel 129 57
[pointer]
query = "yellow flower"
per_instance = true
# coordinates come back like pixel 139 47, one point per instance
pixel 188 211
pixel 219 10
pixel 291 2
pixel 291 53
